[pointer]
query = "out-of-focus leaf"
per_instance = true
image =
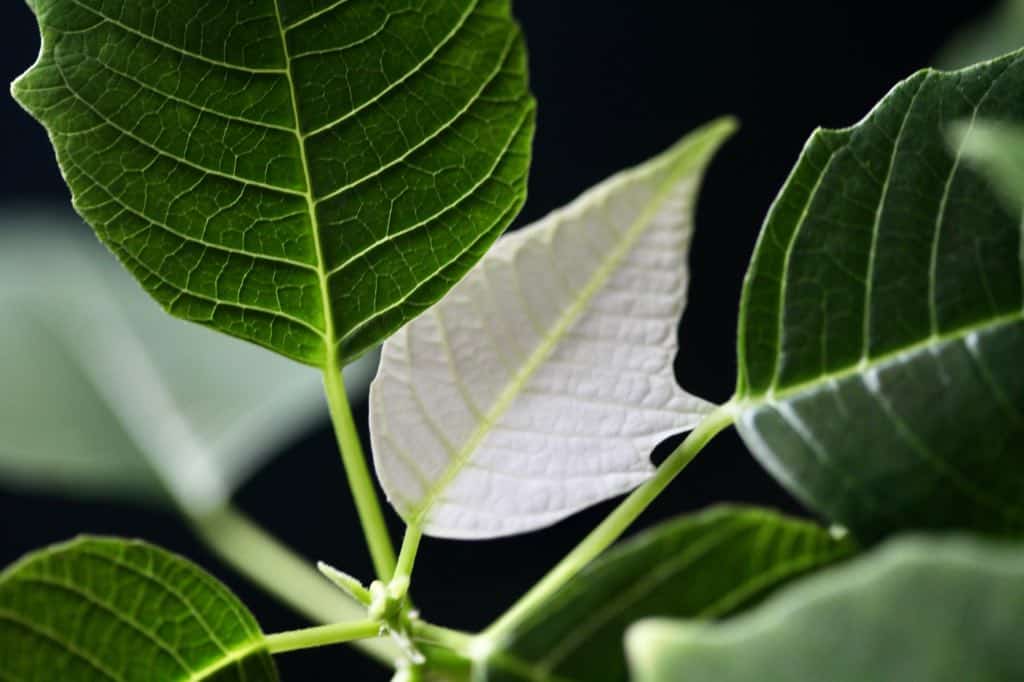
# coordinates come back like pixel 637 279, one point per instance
pixel 103 394
pixel 915 611
pixel 103 610
pixel 999 32
pixel 997 150
pixel 703 566
pixel 540 384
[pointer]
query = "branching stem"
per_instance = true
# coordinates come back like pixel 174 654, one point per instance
pixel 324 635
pixel 455 640
pixel 265 561
pixel 616 524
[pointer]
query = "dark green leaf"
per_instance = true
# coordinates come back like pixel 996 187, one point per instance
pixel 113 610
pixel 703 566
pixel 307 175
pixel 916 611
pixel 883 319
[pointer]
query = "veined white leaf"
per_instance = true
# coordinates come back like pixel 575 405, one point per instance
pixel 105 395
pixel 539 385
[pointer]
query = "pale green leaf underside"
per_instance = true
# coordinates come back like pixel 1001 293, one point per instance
pixel 106 610
pixel 883 319
pixel 104 395
pixel 998 32
pixel 915 611
pixel 700 567
pixel 542 382
pixel 304 174
pixel 997 151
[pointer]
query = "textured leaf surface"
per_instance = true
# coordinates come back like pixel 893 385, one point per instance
pixel 883 319
pixel 997 151
pixel 541 383
pixel 304 174
pixel 108 610
pixel 104 395
pixel 700 567
pixel 917 611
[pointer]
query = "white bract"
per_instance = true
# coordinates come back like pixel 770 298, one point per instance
pixel 540 384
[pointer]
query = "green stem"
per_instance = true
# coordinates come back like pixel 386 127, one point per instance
pixel 324 635
pixel 455 640
pixel 616 523
pixel 407 555
pixel 363 491
pixel 268 563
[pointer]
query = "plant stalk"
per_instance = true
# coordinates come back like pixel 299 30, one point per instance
pixel 275 568
pixel 454 640
pixel 615 524
pixel 407 555
pixel 359 480
pixel 323 635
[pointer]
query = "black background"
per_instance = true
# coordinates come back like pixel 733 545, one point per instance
pixel 616 83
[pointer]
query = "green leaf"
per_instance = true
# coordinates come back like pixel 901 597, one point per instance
pixel 703 566
pixel 121 611
pixel 916 611
pixel 542 382
pixel 305 175
pixel 883 319
pixel 105 396
pixel 998 32
pixel 997 151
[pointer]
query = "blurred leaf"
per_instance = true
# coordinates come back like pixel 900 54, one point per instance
pixel 997 150
pixel 306 176
pixel 542 382
pixel 914 611
pixel 882 321
pixel 1001 31
pixel 703 566
pixel 104 395
pixel 103 609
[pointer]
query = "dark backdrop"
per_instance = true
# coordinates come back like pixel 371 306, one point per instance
pixel 616 82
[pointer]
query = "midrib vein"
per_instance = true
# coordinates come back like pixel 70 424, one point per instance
pixel 878 361
pixel 329 334
pixel 551 339
pixel 232 657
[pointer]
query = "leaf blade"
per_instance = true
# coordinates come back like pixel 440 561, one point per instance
pixel 703 566
pixel 481 378
pixel 198 146
pixel 886 273
pixel 82 608
pixel 108 397
pixel 890 615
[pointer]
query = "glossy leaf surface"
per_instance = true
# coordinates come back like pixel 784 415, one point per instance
pixel 883 319
pixel 109 610
pixel 304 175
pixel 703 567
pixel 916 611
pixel 541 383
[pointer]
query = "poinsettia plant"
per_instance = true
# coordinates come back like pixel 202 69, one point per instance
pixel 319 178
